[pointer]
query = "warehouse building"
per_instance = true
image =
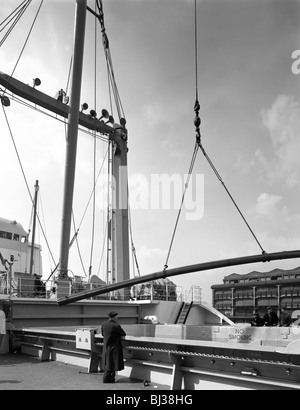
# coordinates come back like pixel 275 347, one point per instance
pixel 239 294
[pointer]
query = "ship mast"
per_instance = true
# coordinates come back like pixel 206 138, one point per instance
pixel 36 189
pixel 116 134
pixel 120 254
pixel 120 225
pixel 72 136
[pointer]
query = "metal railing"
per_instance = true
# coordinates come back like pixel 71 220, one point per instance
pixel 35 288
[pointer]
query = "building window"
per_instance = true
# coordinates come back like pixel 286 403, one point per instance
pixel 5 235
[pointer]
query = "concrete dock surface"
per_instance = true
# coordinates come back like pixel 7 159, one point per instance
pixel 23 372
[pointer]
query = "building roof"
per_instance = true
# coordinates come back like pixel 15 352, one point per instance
pixel 256 274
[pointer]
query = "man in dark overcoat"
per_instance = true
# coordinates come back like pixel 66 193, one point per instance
pixel 112 359
pixel 257 321
pixel 271 318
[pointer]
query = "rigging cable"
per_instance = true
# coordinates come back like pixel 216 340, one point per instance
pixel 25 179
pixel 41 211
pixel 75 237
pixel 93 190
pixel 110 69
pixel 230 196
pixel 103 247
pixel 15 17
pixel 18 156
pixel 109 216
pixel 197 123
pixel 95 151
pixel 196 50
pixel 113 90
pixel 182 203
pixel 76 230
pixel 27 38
pixel 134 257
pixel 94 206
pixel 26 41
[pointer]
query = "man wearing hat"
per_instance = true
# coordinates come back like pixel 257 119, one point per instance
pixel 257 321
pixel 270 318
pixel 112 359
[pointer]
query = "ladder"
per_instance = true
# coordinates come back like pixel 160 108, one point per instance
pixel 186 307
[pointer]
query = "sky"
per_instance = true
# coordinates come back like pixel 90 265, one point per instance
pixel 248 89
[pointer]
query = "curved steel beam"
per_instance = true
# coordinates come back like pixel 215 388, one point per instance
pixel 181 271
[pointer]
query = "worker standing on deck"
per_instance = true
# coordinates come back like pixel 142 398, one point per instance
pixel 285 319
pixel 112 358
pixel 257 321
pixel 271 318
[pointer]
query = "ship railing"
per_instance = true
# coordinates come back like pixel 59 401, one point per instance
pixel 152 291
pixel 27 288
pixel 8 286
pixel 194 294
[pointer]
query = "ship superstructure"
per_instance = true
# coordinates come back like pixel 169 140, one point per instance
pixel 16 256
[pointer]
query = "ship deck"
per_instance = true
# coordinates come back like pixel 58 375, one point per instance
pixel 22 372
pixel 172 357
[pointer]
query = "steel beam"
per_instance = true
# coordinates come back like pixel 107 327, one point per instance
pixel 181 271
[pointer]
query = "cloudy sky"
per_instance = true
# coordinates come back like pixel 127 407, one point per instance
pixel 248 86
